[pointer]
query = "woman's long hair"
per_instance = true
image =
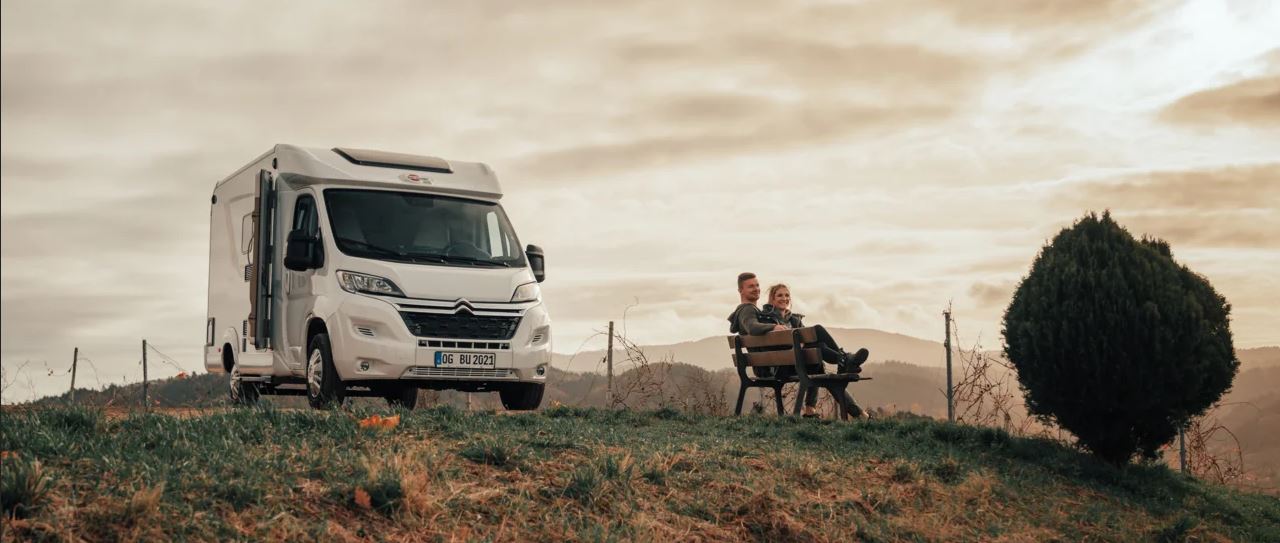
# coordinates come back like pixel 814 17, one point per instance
pixel 774 290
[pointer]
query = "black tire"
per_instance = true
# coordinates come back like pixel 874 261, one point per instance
pixel 327 391
pixel 242 393
pixel 521 396
pixel 402 396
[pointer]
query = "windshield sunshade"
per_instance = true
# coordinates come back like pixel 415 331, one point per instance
pixel 384 159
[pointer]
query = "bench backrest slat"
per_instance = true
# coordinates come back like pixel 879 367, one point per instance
pixel 782 358
pixel 777 338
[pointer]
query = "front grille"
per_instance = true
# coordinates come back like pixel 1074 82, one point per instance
pixel 489 345
pixel 460 325
pixel 487 373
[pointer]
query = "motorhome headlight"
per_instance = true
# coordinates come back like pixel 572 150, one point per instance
pixel 367 284
pixel 527 292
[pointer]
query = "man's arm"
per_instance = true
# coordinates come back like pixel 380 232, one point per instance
pixel 749 321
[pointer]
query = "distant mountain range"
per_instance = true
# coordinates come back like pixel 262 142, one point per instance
pixel 712 353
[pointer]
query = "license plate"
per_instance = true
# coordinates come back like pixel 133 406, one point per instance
pixel 464 360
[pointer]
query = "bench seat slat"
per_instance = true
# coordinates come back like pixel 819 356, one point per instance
pixel 777 338
pixel 782 358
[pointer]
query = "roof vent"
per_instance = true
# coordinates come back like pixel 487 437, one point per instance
pixel 383 159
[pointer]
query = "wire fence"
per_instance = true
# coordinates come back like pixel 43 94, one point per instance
pixel 84 374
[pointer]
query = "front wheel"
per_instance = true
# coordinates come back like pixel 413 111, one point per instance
pixel 521 396
pixel 324 388
pixel 402 396
pixel 242 393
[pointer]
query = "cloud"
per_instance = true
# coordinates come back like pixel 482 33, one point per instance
pixel 1255 186
pixel 771 126
pixel 790 89
pixel 1038 14
pixel 1247 102
pixel 1228 206
pixel 993 293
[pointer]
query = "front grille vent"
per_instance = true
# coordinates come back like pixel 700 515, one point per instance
pixel 489 345
pixel 365 330
pixel 428 371
pixel 460 326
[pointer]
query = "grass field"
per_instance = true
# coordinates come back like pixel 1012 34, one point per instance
pixel 566 473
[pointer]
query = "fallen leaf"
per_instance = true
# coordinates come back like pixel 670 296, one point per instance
pixel 8 454
pixel 378 422
pixel 362 499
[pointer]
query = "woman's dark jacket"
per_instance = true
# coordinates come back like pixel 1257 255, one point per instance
pixel 772 315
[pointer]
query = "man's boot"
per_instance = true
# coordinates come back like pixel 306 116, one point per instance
pixel 852 362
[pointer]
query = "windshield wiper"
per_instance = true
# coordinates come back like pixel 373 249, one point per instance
pixel 386 251
pixel 483 261
pixel 464 259
pixel 366 245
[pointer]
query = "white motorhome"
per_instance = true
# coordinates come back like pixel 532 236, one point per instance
pixel 349 272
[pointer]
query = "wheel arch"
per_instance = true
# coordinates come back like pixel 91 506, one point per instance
pixel 315 327
pixel 228 357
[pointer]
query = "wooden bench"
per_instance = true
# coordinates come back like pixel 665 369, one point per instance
pixel 796 348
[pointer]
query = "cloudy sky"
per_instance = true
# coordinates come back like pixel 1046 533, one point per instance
pixel 884 157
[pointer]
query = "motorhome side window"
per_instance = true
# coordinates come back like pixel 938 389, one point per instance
pixel 422 228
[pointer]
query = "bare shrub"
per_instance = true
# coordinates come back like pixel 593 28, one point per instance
pixel 1213 451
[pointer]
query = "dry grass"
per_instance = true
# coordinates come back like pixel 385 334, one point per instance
pixel 569 474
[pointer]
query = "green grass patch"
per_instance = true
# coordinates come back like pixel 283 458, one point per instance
pixel 571 474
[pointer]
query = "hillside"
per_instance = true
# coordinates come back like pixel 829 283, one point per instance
pixel 1250 410
pixel 574 474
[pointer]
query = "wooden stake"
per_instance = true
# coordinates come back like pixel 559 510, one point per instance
pixel 75 358
pixel 609 357
pixel 951 406
pixel 145 404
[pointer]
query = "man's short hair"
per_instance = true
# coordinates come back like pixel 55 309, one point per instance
pixel 744 277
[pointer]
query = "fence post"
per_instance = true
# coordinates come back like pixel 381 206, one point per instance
pixel 75 358
pixel 609 357
pixel 145 405
pixel 1182 450
pixel 951 406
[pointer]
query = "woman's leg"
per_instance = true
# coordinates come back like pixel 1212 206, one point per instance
pixel 811 395
pixel 833 354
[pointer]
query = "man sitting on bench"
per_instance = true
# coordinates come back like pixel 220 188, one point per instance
pixel 747 319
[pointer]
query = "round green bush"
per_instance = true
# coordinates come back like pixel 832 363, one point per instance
pixel 1115 341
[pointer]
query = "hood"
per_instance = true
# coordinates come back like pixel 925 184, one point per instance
pixel 733 319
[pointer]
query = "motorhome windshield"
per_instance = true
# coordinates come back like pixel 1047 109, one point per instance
pixel 422 228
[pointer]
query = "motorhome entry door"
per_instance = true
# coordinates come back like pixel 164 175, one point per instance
pixel 264 205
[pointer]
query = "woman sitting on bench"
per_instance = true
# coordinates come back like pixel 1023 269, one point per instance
pixel 778 311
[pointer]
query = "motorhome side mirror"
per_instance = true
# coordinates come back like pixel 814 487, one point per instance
pixel 537 262
pixel 302 251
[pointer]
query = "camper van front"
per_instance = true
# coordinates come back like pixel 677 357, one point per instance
pixel 432 287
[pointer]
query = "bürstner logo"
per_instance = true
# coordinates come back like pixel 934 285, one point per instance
pixel 415 178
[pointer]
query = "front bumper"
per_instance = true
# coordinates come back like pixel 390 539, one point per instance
pixel 372 342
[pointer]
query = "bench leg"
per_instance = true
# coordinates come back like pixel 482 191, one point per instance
pixel 742 393
pixel 799 399
pixel 845 403
pixel 841 410
pixel 852 407
pixel 777 399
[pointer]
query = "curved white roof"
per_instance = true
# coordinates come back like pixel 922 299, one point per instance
pixel 393 170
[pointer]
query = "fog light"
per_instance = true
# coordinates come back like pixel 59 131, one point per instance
pixel 364 365
pixel 541 371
